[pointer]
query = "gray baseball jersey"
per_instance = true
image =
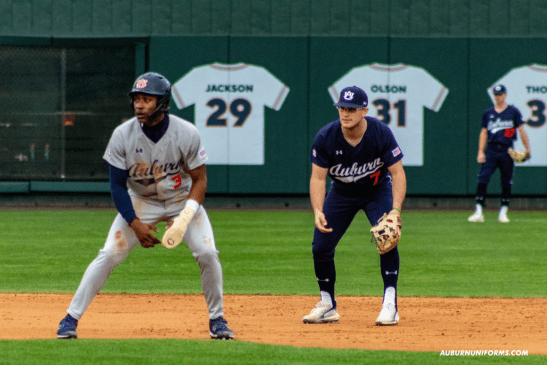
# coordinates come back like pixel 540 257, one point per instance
pixel 159 170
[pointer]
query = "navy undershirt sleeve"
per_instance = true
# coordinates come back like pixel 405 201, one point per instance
pixel 118 189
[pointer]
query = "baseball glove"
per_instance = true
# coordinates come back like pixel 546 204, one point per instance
pixel 387 232
pixel 518 156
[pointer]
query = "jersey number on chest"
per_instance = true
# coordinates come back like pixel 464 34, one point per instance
pixel 178 181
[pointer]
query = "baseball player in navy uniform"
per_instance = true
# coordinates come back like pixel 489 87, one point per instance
pixel 499 130
pixel 157 173
pixel 363 159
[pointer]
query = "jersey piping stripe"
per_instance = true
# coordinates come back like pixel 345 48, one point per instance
pixel 334 91
pixel 179 99
pixel 236 67
pixel 538 68
pixel 280 98
pixel 380 67
pixel 439 99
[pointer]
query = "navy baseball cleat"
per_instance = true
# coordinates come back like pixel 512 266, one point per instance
pixel 218 329
pixel 67 328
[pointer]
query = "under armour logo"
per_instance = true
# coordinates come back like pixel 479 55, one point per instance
pixel 348 95
pixel 338 152
pixel 138 150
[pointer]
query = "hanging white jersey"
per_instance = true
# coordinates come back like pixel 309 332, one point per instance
pixel 229 104
pixel 397 95
pixel 159 170
pixel 527 91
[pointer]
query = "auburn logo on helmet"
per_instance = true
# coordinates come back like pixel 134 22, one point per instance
pixel 141 83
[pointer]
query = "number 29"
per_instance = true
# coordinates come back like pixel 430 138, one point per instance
pixel 239 108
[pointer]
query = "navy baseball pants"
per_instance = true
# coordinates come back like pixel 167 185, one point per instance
pixel 496 157
pixel 339 212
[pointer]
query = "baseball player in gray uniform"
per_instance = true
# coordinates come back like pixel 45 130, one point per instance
pixel 157 173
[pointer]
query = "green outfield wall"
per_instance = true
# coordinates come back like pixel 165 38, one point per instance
pixel 66 67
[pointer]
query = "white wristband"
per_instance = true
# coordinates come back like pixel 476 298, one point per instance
pixel 192 204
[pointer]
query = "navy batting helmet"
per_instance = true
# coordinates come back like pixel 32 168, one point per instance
pixel 152 83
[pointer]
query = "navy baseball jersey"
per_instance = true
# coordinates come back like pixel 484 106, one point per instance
pixel 502 126
pixel 356 170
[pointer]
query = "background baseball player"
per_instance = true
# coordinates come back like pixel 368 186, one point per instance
pixel 528 84
pixel 499 130
pixel 159 157
pixel 363 159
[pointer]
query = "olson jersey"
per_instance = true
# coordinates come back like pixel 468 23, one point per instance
pixel 356 170
pixel 527 90
pixel 157 170
pixel 397 95
pixel 229 104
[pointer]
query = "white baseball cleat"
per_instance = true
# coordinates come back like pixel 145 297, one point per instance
pixel 503 218
pixel 389 315
pixel 322 313
pixel 476 218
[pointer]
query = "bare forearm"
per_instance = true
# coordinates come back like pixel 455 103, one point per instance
pixel 317 195
pixel 524 138
pixel 482 140
pixel 199 184
pixel 399 189
pixel 197 191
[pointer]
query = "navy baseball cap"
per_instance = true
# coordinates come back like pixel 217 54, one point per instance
pixel 352 97
pixel 500 89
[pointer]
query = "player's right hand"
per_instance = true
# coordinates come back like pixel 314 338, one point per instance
pixel 321 222
pixel 144 234
pixel 481 157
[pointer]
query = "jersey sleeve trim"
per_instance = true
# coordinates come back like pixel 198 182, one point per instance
pixel 281 98
pixel 440 99
pixel 384 67
pixel 178 99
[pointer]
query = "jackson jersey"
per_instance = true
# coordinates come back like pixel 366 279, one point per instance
pixel 356 170
pixel 502 127
pixel 229 109
pixel 527 90
pixel 397 95
pixel 157 170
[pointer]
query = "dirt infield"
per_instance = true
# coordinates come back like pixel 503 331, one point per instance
pixel 427 324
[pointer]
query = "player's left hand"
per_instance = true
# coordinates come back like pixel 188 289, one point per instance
pixel 387 232
pixel 519 156
pixel 144 234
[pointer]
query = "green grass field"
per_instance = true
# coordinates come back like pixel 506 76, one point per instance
pixel 442 255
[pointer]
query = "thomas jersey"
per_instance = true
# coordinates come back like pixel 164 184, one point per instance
pixel 397 95
pixel 157 170
pixel 356 170
pixel 229 109
pixel 502 126
pixel 527 91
